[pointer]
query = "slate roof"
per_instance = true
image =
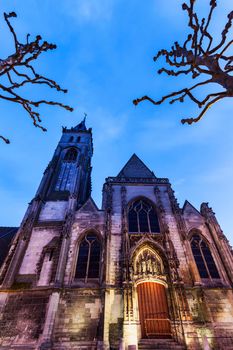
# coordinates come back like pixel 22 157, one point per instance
pixel 6 236
pixel 136 168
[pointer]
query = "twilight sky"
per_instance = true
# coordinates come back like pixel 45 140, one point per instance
pixel 104 58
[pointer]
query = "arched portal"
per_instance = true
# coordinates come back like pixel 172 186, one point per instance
pixel 150 279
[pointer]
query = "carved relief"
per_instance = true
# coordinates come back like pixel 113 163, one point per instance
pixel 146 265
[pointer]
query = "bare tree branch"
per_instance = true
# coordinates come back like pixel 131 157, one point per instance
pixel 17 68
pixel 198 56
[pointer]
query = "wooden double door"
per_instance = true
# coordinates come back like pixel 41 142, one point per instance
pixel 153 310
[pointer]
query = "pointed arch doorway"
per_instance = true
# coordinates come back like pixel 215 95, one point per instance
pixel 153 310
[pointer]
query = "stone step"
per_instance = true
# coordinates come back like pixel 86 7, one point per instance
pixel 165 344
pixel 160 346
pixel 80 345
pixel 18 347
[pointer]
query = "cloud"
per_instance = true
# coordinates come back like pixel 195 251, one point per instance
pixel 109 126
pixel 90 10
pixel 217 174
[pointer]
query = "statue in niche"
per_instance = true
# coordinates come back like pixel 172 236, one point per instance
pixel 143 266
pixel 131 273
pixel 157 267
pixel 147 263
pixel 139 268
pixel 149 266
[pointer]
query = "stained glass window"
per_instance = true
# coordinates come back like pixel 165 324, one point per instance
pixel 142 217
pixel 203 258
pixel 88 262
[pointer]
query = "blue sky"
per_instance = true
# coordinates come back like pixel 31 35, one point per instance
pixel 104 58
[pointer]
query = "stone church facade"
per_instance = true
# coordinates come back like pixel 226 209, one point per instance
pixel 139 273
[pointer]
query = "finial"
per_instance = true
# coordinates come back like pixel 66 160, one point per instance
pixel 81 126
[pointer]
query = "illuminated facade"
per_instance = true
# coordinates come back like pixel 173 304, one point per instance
pixel 140 273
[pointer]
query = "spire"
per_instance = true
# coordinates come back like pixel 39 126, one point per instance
pixel 82 125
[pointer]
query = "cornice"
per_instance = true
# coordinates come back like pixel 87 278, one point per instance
pixel 134 180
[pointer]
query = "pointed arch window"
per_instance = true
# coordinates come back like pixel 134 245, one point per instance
pixel 67 171
pixel 71 155
pixel 88 262
pixel 203 258
pixel 142 217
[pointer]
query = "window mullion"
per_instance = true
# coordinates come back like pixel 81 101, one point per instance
pixel 64 175
pixel 60 177
pixel 67 174
pixel 88 261
pixel 203 257
pixel 138 221
pixel 148 221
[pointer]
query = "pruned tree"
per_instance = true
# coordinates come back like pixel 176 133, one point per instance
pixel 199 56
pixel 17 71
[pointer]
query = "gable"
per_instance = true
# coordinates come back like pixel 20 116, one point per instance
pixel 89 206
pixel 135 168
pixel 190 211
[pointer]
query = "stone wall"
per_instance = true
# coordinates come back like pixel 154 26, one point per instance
pixel 79 317
pixel 22 318
pixel 40 237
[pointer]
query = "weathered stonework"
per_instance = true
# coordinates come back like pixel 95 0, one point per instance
pixel 51 298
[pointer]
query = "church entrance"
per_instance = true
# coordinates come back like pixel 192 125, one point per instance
pixel 153 310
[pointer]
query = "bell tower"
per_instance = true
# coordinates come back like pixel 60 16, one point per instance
pixel 65 186
pixel 68 173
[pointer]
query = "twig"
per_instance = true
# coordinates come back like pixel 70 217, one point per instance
pixel 18 69
pixel 198 57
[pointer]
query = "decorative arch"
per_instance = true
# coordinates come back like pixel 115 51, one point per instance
pixel 203 257
pixel 88 256
pixel 142 216
pixel 147 241
pixel 148 261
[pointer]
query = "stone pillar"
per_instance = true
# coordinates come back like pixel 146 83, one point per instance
pixel 106 319
pixel 130 335
pixel 14 264
pixel 221 243
pixel 65 241
pixel 47 176
pixel 62 261
pixel 23 235
pixel 3 298
pixel 45 341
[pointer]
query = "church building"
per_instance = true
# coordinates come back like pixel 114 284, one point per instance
pixel 138 273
